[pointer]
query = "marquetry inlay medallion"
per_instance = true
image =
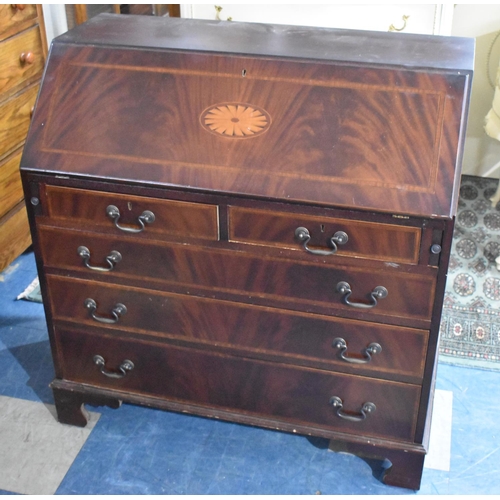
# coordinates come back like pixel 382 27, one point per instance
pixel 235 120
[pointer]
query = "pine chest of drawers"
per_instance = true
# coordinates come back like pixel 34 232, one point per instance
pixel 23 49
pixel 250 222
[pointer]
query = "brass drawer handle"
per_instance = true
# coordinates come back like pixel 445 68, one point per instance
pixel 339 238
pixel 367 352
pixel 117 311
pixel 113 258
pixel 147 217
pixel 126 366
pixel 366 409
pixel 379 292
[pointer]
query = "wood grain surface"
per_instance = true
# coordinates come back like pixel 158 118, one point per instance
pixel 11 189
pixel 86 208
pixel 15 235
pixel 13 19
pixel 248 277
pixel 15 72
pixel 234 135
pixel 271 390
pixel 367 240
pixel 252 331
pixel 382 139
pixel 15 117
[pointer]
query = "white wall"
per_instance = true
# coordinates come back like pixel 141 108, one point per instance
pixel 482 22
pixel 55 20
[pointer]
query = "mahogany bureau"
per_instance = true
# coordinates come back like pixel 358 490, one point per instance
pixel 250 222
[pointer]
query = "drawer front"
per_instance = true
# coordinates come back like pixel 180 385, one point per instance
pixel 364 239
pixel 13 18
pixel 11 189
pixel 15 117
pixel 278 391
pixel 249 278
pixel 257 332
pixel 90 209
pixel 21 58
pixel 15 235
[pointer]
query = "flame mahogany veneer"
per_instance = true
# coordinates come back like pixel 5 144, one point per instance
pixel 250 222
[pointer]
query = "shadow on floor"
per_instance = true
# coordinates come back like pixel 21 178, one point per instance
pixel 36 360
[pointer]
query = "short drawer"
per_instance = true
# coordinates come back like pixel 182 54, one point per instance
pixel 369 240
pixel 244 277
pixel 131 215
pixel 324 342
pixel 14 18
pixel 277 391
pixel 15 116
pixel 21 59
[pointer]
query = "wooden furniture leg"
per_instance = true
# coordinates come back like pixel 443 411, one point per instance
pixel 70 405
pixel 405 469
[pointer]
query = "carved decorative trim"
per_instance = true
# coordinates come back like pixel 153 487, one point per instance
pixel 235 120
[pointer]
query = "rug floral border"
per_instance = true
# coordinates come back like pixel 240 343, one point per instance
pixel 472 335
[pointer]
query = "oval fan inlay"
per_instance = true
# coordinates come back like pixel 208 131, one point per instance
pixel 235 120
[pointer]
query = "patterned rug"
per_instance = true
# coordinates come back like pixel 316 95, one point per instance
pixel 470 325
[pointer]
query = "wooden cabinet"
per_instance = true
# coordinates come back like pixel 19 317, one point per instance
pixel 22 58
pixel 262 236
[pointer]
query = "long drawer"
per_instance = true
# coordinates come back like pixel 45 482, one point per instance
pixel 334 235
pixel 259 332
pixel 249 278
pixel 276 391
pixel 133 216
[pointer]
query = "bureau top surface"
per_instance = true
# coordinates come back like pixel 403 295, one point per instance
pixel 341 118
pixel 275 40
